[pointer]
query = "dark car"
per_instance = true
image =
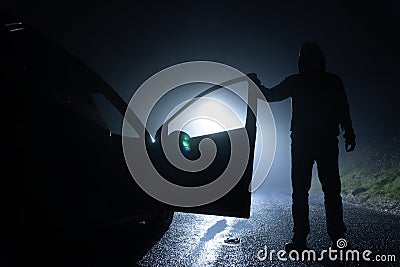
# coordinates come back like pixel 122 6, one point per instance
pixel 71 175
pixel 71 165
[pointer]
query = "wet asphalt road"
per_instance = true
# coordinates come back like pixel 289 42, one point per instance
pixel 198 240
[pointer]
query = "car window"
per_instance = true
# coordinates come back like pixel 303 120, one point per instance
pixel 197 117
pixel 219 111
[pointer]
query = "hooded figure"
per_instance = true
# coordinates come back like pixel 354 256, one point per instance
pixel 319 110
pixel 311 60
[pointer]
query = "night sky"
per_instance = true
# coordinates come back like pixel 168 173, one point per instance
pixel 127 42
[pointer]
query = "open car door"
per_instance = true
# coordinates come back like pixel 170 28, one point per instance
pixel 236 202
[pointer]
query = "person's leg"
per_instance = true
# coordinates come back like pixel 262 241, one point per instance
pixel 328 173
pixel 302 162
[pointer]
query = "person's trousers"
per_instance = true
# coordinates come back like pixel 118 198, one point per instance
pixel 325 152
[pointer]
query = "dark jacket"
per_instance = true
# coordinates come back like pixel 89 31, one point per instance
pixel 319 104
pixel 319 101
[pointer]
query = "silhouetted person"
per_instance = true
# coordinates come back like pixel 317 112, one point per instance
pixel 319 107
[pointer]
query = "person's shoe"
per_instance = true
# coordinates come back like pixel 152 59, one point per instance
pixel 298 246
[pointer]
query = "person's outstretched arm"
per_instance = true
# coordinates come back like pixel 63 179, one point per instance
pixel 345 121
pixel 277 93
